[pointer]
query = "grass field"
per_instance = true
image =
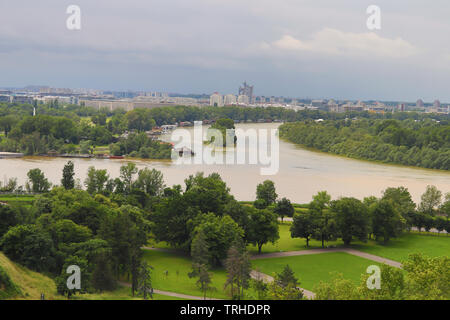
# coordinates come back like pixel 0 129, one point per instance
pixel 177 280
pixel 398 249
pixel 311 269
pixel 30 283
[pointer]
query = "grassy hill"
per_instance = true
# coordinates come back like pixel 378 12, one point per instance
pixel 17 282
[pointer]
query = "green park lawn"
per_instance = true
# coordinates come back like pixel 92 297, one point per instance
pixel 400 248
pixel 311 269
pixel 178 266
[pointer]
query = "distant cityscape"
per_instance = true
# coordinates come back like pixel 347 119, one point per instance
pixel 245 97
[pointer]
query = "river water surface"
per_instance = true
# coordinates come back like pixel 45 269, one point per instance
pixel 302 173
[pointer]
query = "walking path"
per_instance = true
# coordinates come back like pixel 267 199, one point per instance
pixel 328 250
pixel 171 294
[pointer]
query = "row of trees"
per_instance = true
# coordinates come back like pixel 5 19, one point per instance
pixel 423 143
pixel 381 219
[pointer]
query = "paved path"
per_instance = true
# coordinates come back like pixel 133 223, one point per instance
pixel 171 294
pixel 328 250
pixel 266 278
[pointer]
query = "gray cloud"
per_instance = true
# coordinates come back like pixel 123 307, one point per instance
pixel 316 48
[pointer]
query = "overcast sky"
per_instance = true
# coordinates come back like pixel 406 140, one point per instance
pixel 296 48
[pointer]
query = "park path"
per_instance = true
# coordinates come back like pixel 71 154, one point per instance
pixel 328 250
pixel 171 294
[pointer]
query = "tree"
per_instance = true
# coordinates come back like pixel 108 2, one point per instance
pixel 266 191
pixel 200 262
pixel 103 276
pixel 8 218
pixel 219 234
pixel 238 269
pixel 204 280
pixel 392 285
pixel 37 182
pixel 30 247
pixel 285 286
pixel 263 227
pixel 65 232
pixel 387 221
pixel 427 278
pixel 324 220
pixel 125 230
pixel 440 223
pixel 61 280
pixel 96 180
pixel 303 226
pixel 286 277
pixel 337 288
pixel 260 286
pixel 430 200
pixel 200 250
pixel 126 174
pixel 67 181
pixel 284 208
pixel 445 207
pixel 145 286
pixel 401 199
pixel 351 219
pixel 150 181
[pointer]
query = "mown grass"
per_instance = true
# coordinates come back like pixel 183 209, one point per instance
pixel 30 283
pixel 177 280
pixel 311 269
pixel 399 249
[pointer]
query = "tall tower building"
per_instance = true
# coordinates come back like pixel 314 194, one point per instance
pixel 436 104
pixel 246 90
pixel 229 99
pixel 216 100
pixel 419 103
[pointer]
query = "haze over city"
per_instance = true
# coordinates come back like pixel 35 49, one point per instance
pixel 315 49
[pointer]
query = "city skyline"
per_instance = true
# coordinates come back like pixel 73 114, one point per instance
pixel 294 49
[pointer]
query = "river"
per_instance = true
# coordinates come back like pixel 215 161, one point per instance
pixel 302 173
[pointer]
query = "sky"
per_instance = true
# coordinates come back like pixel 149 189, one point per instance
pixel 292 48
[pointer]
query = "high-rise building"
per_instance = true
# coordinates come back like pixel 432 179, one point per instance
pixel 246 90
pixel 216 100
pixel 419 103
pixel 243 99
pixel 436 104
pixel 229 99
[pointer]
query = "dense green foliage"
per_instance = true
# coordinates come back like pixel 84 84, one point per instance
pixel 424 143
pixel 423 278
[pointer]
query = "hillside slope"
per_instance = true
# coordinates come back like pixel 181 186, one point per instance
pixel 17 282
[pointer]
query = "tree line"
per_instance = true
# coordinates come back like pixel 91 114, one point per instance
pixel 424 143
